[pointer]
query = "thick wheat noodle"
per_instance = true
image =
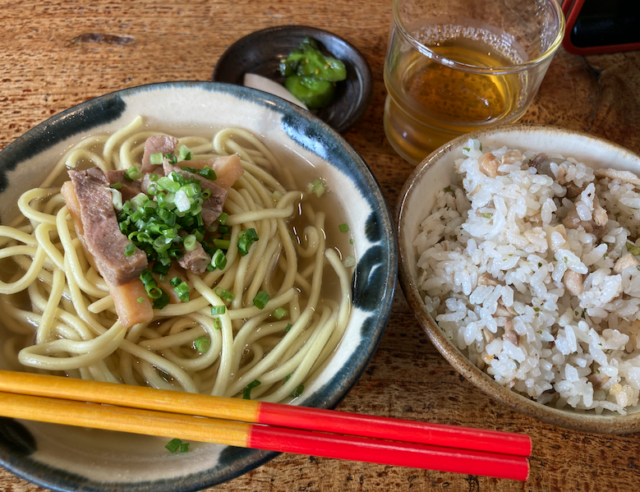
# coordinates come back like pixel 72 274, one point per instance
pixel 73 319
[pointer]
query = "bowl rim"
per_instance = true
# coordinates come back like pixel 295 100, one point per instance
pixel 365 78
pixel 585 422
pixel 49 477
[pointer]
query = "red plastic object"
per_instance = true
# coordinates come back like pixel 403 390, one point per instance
pixel 389 452
pixel 571 9
pixel 394 429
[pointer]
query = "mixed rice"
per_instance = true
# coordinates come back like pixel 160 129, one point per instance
pixel 529 265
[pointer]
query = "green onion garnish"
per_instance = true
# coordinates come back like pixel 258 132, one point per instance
pixel 343 228
pixel 215 310
pixel 222 243
pixel 207 173
pixel 448 189
pixel 140 300
pixel 287 377
pixel 162 301
pixel 246 393
pixel 132 173
pixel 202 344
pixel 185 153
pixel 298 391
pixel 351 241
pixel 224 294
pixel 261 300
pixel 182 289
pixel 189 242
pixel 129 250
pixel 177 446
pixel 245 240
pixel 219 260
pixel 223 218
pixel 487 216
pixel 224 230
pixel 279 313
pixel 116 186
pixel 316 186
pixel 217 324
pixel 286 330
pixel 633 249
pixel 156 159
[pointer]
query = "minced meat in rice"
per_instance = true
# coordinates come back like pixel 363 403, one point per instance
pixel 529 265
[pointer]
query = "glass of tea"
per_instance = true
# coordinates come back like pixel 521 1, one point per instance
pixel 454 66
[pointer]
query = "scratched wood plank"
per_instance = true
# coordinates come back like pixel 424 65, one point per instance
pixel 58 54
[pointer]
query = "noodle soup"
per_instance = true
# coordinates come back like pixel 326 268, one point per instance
pixel 261 326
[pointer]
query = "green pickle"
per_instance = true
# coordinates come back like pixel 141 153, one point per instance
pixel 313 93
pixel 311 75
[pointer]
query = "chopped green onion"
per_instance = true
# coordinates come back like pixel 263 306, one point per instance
pixel 246 239
pixel 132 173
pixel 223 218
pixel 633 249
pixel 156 159
pixel 487 216
pixel 215 310
pixel 298 391
pixel 517 364
pixel 448 189
pixel 224 294
pixel 222 243
pixel 351 241
pixel 139 200
pixel 286 330
pixel 173 445
pixel 343 228
pixel 182 290
pixel 219 260
pixel 280 313
pixel 162 301
pixel 140 300
pixel 202 344
pixel 224 230
pixel 116 199
pixel 207 173
pixel 116 186
pixel 466 148
pixel 317 186
pixel 160 269
pixel 277 195
pixel 189 242
pixel 287 377
pixel 129 250
pixel 536 309
pixel 246 393
pixel 217 324
pixel 185 153
pixel 349 261
pixel 184 447
pixel 261 300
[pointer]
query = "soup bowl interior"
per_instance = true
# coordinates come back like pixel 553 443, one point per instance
pixel 70 458
pixel 418 198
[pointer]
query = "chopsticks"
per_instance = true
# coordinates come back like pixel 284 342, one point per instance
pixel 289 428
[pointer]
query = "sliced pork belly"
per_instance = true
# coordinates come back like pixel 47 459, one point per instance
pixel 129 189
pixel 212 206
pixel 196 260
pixel 160 143
pixel 101 231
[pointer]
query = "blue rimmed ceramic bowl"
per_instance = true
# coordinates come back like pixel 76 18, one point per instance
pixel 71 458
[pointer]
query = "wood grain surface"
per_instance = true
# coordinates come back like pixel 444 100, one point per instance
pixel 57 54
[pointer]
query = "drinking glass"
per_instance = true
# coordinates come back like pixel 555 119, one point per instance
pixel 454 66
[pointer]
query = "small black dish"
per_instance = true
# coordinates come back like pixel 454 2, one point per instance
pixel 260 53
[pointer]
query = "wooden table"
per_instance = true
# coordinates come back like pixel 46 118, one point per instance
pixel 53 57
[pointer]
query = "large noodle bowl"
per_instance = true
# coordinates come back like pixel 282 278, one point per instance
pixel 60 312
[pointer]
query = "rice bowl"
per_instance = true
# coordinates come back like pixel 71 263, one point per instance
pixel 484 260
